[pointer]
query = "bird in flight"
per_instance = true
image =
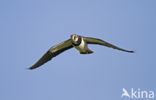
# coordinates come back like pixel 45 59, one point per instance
pixel 76 41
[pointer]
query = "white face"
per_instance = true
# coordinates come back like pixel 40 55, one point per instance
pixel 75 38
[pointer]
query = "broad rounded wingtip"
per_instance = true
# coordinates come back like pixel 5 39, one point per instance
pixel 30 68
pixel 131 51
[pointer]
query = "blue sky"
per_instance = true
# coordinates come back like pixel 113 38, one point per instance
pixel 28 28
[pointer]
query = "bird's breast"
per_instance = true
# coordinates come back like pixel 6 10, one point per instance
pixel 82 46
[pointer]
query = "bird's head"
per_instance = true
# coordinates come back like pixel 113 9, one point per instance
pixel 76 39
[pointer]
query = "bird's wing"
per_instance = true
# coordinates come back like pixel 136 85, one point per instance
pixel 52 52
pixel 90 40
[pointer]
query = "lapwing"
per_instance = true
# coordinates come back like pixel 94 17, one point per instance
pixel 76 41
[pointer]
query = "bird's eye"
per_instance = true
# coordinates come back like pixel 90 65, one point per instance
pixel 75 37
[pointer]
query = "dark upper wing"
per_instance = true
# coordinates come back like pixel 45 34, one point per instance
pixel 101 42
pixel 52 52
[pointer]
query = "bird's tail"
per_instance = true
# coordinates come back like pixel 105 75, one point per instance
pixel 88 51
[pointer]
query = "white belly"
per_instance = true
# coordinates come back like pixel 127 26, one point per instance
pixel 82 47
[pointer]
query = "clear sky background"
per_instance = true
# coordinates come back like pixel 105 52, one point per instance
pixel 28 28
